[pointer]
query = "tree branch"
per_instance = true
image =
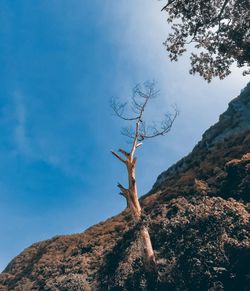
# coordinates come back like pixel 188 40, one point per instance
pixel 169 3
pixel 165 127
pixel 124 192
pixel 147 97
pixel 140 99
pixel 119 108
pixel 135 139
pixel 118 157
pixel 126 154
pixel 222 9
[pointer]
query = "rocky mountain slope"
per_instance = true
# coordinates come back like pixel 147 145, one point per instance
pixel 198 216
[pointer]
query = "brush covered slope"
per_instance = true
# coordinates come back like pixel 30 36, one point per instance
pixel 198 217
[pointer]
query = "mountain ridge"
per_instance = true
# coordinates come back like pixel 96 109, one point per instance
pixel 206 193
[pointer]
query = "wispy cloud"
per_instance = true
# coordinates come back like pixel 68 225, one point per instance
pixel 75 58
pixel 39 136
pixel 20 131
pixel 143 55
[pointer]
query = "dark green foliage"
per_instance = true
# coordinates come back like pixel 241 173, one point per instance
pixel 220 29
pixel 200 235
pixel 137 279
pixel 113 258
pixel 201 243
pixel 236 182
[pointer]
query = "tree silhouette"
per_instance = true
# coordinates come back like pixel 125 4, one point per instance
pixel 139 132
pixel 219 29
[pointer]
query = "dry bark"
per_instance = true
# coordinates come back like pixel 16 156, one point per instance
pixel 133 203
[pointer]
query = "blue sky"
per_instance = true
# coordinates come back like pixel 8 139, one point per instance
pixel 61 62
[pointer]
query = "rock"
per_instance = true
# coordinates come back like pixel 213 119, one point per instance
pixel 225 142
pixel 198 218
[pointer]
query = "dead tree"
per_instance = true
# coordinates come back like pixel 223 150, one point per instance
pixel 138 133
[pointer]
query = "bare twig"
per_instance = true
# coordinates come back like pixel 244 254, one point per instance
pixel 124 153
pixel 169 3
pixel 119 109
pixel 118 157
pixel 140 132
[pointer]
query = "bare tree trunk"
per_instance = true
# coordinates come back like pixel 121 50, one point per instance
pixel 141 132
pixel 149 255
pixel 134 205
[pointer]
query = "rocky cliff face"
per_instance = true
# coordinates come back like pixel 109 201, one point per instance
pixel 198 216
pixel 226 140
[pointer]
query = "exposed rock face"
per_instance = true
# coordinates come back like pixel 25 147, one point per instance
pixel 231 123
pixel 198 217
pixel 226 140
pixel 201 243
